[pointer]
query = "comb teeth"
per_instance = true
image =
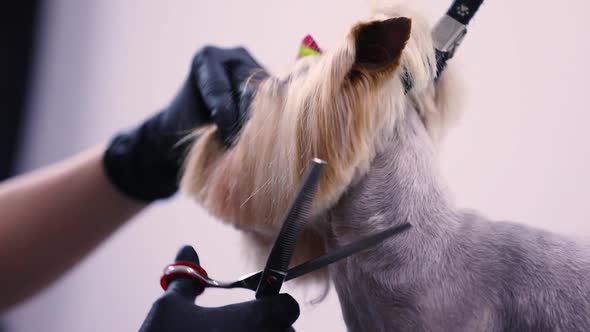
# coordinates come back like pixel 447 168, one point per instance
pixel 296 218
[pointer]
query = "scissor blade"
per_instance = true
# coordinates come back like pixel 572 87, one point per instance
pixel 344 251
pixel 249 281
pixel 277 264
pixel 252 280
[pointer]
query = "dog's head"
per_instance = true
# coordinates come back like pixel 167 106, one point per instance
pixel 337 106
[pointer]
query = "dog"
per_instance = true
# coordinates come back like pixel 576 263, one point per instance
pixel 454 270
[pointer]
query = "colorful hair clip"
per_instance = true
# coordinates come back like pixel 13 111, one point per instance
pixel 308 47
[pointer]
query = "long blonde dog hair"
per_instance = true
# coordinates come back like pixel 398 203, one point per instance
pixel 340 107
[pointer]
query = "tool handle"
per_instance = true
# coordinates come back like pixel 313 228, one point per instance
pixel 464 10
pixel 182 283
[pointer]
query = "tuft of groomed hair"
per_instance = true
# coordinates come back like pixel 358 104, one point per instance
pixel 340 107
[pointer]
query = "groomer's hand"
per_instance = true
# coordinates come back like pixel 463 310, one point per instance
pixel 144 163
pixel 176 311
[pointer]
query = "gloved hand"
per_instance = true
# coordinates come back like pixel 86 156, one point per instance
pixel 176 311
pixel 144 163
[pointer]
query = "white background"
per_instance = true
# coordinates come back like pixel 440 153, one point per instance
pixel 519 153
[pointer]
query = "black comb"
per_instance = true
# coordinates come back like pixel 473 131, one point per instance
pixel 277 264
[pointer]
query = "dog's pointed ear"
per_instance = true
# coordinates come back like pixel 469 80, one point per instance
pixel 379 44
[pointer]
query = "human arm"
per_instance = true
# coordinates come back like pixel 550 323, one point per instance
pixel 52 218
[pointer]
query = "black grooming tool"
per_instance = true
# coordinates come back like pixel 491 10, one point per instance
pixel 448 34
pixel 275 272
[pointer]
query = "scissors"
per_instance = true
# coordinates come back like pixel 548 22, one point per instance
pixel 276 272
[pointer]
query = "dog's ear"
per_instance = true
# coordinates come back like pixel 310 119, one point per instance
pixel 379 44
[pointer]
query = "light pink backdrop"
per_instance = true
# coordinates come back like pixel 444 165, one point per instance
pixel 519 153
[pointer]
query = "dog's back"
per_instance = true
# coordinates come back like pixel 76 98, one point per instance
pixel 501 276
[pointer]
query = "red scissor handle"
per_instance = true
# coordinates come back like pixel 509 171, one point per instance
pixel 183 269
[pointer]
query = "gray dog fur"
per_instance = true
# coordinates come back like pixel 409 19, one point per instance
pixel 454 270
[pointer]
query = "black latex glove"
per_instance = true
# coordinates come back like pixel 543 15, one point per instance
pixel 144 163
pixel 175 311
